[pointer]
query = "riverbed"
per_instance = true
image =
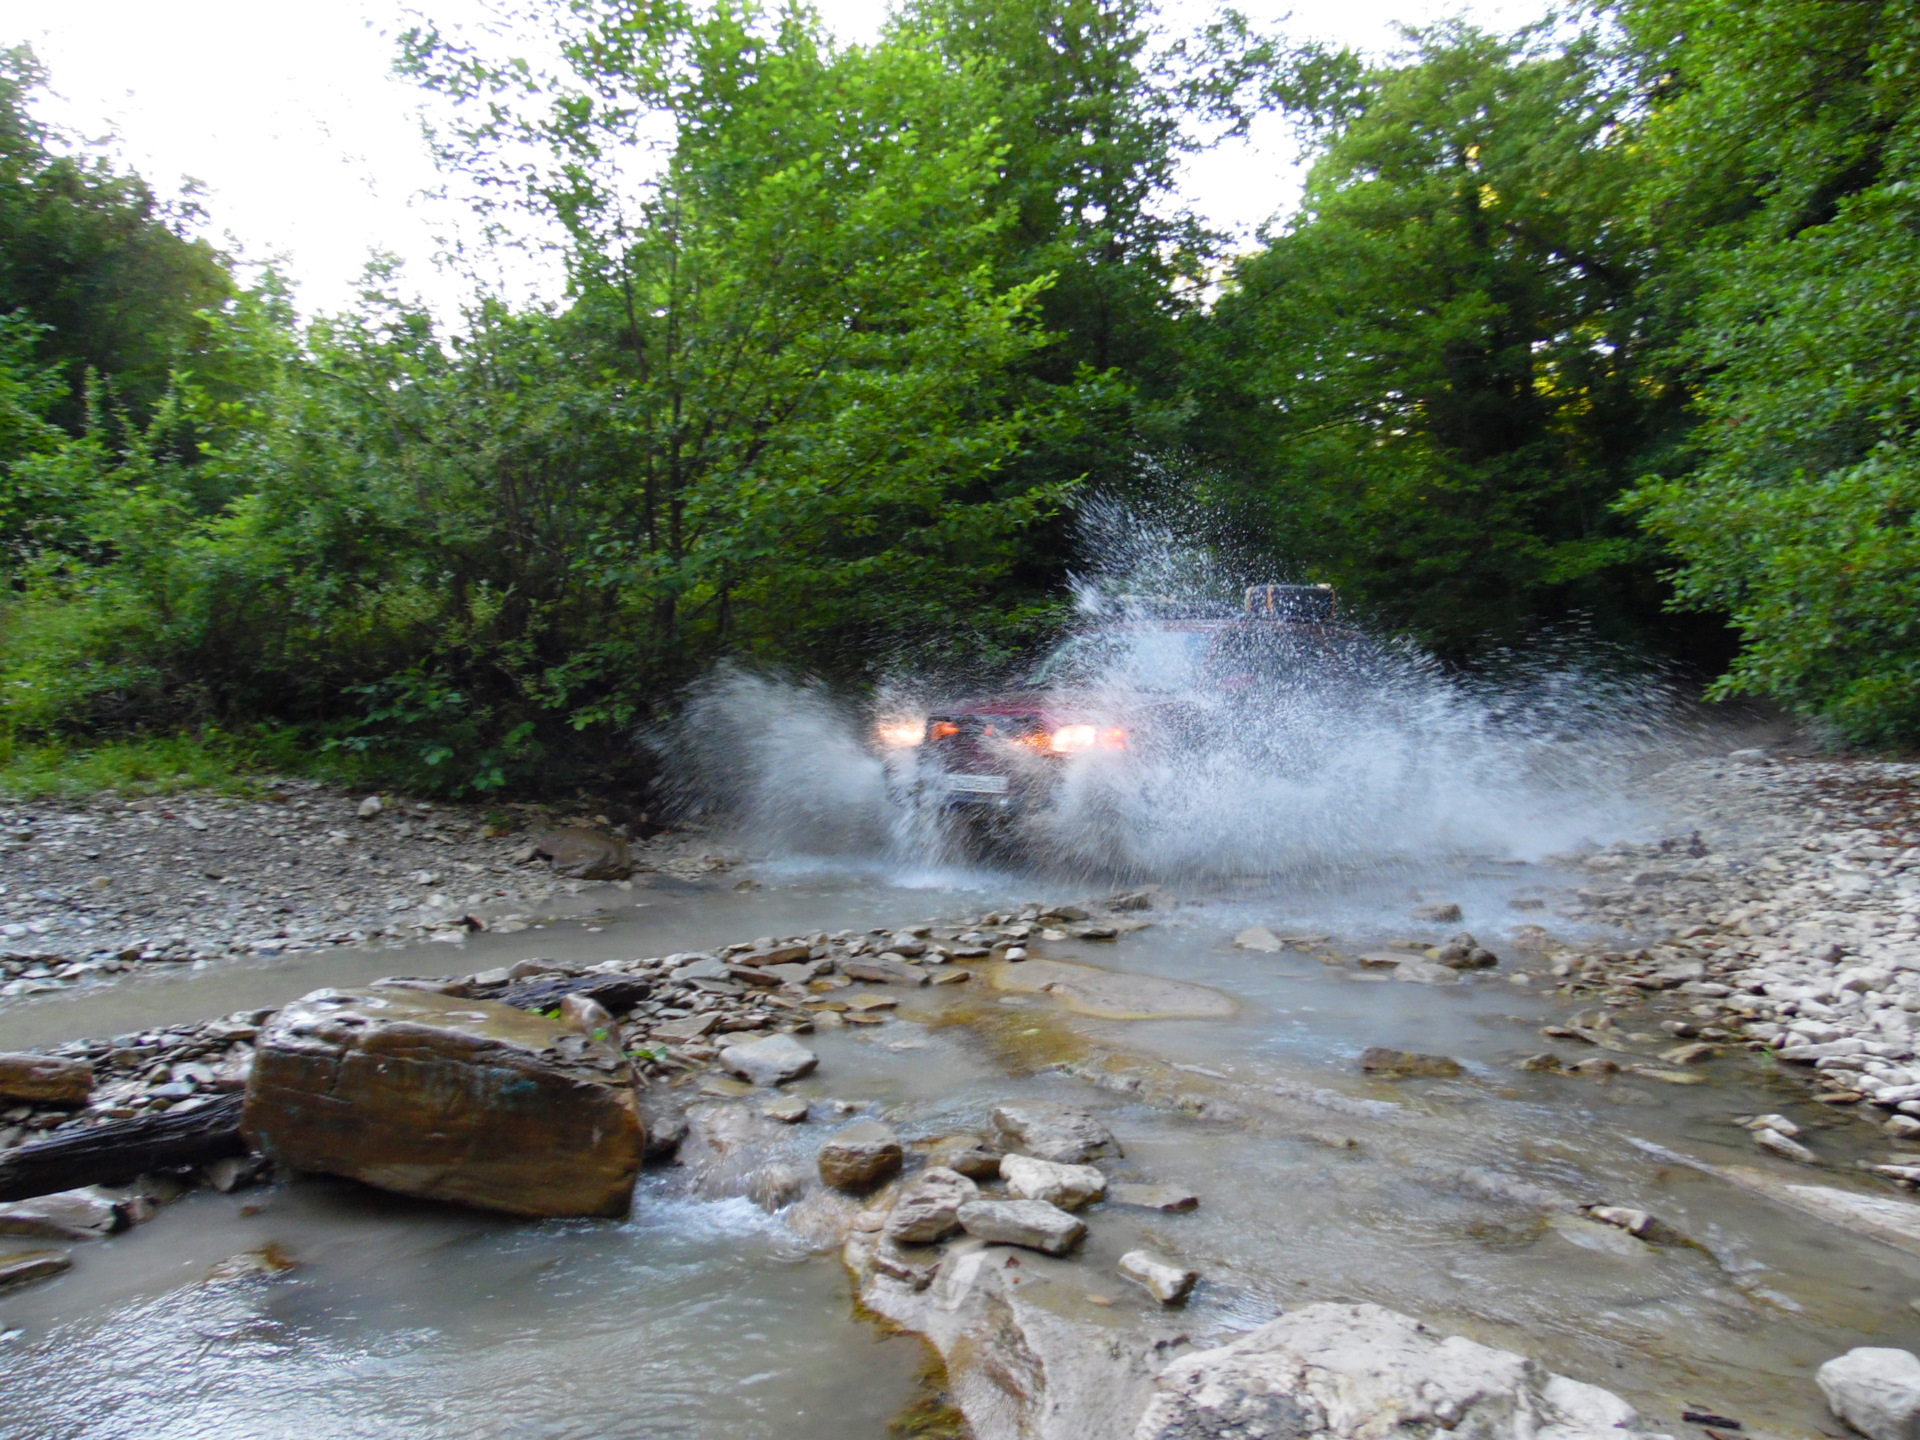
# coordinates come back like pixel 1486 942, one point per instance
pixel 1451 1199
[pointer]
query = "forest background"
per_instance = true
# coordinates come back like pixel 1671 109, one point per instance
pixel 1608 327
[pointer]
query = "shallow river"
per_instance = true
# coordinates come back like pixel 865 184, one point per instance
pixel 710 1320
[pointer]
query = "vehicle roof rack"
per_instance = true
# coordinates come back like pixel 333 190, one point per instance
pixel 1298 603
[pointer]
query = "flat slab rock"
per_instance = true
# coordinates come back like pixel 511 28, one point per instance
pixel 1112 994
pixel 1033 1224
pixel 447 1099
pixel 45 1080
pixel 1361 1371
pixel 772 1061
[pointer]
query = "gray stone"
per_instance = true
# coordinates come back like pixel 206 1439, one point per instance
pixel 1053 1132
pixel 1033 1224
pixel 883 969
pixel 26 1267
pixel 772 1061
pixel 775 1185
pixel 1071 1187
pixel 1258 937
pixel 1173 1198
pixel 928 1209
pixel 1425 972
pixel 1398 1064
pixel 1344 1372
pixel 1768 1138
pixel 1440 912
pixel 1876 1391
pixel 861 1156
pixel 968 1154
pixel 69 1215
pixel 1168 1283
pixel 787 1109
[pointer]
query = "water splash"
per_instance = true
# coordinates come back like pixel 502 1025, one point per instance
pixel 1249 749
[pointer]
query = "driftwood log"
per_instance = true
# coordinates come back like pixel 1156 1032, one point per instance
pixel 116 1152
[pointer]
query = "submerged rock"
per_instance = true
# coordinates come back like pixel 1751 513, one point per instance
pixel 1053 1132
pixel 447 1099
pixel 1399 1064
pixel 1354 1371
pixel 1172 1198
pixel 1876 1391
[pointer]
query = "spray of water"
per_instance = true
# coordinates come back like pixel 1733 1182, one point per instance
pixel 1240 747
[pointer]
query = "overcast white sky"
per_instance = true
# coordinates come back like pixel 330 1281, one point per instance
pixel 311 152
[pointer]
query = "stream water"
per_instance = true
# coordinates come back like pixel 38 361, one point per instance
pixel 709 1319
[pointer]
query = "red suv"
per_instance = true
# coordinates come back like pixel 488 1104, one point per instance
pixel 1150 682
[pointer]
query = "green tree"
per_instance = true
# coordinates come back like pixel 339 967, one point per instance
pixel 1781 176
pixel 90 253
pixel 1430 386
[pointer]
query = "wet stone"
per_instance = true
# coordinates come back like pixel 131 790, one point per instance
pixel 787 1109
pixel 28 1267
pixel 968 1154
pixel 1071 1187
pixel 928 1209
pixel 1399 1064
pixel 772 1061
pixel 1171 1198
pixel 1168 1283
pixel 861 1156
pixel 1033 1224
pixel 1053 1132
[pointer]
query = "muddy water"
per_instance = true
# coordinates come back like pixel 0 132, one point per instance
pixel 706 1319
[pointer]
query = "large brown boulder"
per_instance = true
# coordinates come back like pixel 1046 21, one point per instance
pixel 45 1080
pixel 448 1099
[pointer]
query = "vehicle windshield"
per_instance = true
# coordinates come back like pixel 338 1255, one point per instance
pixel 1165 661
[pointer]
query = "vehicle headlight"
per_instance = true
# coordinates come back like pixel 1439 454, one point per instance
pixel 1075 739
pixel 899 734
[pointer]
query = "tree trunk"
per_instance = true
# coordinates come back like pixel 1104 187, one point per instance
pixel 121 1149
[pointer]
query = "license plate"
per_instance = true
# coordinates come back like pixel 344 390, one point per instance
pixel 977 784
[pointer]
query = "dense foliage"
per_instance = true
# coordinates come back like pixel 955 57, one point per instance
pixel 1611 322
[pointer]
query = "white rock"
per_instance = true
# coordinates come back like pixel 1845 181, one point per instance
pixel 369 807
pixel 772 1061
pixel 1032 1223
pixel 1352 1372
pixel 1068 1186
pixel 1168 1283
pixel 1875 1391
pixel 928 1209
pixel 1258 937
pixel 1770 1139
